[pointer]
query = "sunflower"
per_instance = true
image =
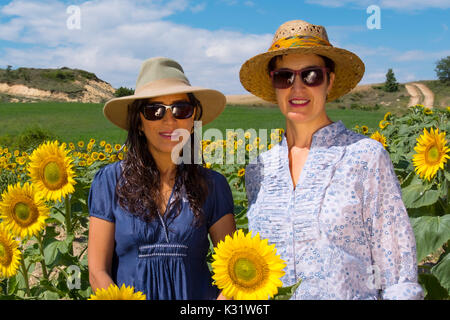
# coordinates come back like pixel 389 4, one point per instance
pixel 379 137
pixel 431 154
pixel 365 129
pixel 427 111
pixel 81 144
pixel 9 253
pixel 246 267
pixel 114 293
pixel 50 170
pixel 249 147
pixel 383 124
pixel 23 211
pixel 241 172
pixel 387 116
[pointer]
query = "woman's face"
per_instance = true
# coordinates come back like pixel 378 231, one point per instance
pixel 300 103
pixel 159 132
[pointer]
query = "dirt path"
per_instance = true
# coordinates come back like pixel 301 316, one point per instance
pixel 428 95
pixel 420 94
pixel 414 93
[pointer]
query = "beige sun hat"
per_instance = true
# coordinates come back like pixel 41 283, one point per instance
pixel 159 77
pixel 299 36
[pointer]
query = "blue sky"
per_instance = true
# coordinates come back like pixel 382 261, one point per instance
pixel 211 39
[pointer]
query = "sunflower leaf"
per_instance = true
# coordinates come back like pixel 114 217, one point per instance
pixel 285 293
pixel 417 195
pixel 442 272
pixel 431 287
pixel 431 233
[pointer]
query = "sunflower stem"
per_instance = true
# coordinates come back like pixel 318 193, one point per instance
pixel 68 215
pixel 41 249
pixel 25 277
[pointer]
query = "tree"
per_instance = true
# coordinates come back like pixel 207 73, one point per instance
pixel 443 69
pixel 122 91
pixel 391 84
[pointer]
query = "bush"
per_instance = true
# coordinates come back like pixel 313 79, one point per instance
pixel 123 91
pixel 443 69
pixel 391 84
pixel 28 139
pixel 62 75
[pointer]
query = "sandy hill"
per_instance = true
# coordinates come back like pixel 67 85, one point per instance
pixel 64 84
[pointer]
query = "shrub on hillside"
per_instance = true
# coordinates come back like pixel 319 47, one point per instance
pixel 123 91
pixel 391 84
pixel 443 69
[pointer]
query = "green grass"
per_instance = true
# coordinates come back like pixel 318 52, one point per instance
pixel 235 117
pixel 441 92
pixel 72 122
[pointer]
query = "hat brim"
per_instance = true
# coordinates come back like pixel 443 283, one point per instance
pixel 349 69
pixel 213 102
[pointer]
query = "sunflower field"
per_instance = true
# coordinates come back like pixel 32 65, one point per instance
pixel 44 215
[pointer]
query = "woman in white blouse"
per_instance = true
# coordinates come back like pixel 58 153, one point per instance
pixel 326 196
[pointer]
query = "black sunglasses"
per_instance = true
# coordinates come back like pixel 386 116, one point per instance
pixel 284 78
pixel 156 111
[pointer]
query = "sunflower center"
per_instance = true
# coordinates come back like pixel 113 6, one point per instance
pixel 52 173
pixel 248 270
pixel 432 154
pixel 245 269
pixel 55 176
pixel 22 211
pixel 25 214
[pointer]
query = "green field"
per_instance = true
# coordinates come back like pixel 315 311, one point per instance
pixel 72 122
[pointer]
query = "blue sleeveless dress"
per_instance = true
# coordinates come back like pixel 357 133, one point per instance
pixel 166 258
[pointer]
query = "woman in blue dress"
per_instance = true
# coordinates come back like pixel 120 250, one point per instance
pixel 327 197
pixel 151 214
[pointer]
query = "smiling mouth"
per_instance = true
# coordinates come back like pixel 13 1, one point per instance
pixel 298 102
pixel 169 134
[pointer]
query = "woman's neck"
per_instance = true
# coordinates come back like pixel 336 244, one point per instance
pixel 165 165
pixel 300 134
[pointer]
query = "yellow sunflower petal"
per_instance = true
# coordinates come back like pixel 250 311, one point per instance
pixel 50 170
pixel 114 293
pixel 22 210
pixel 245 267
pixel 9 253
pixel 432 153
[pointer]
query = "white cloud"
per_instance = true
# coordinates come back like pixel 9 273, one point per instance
pixel 410 5
pixel 117 36
pixel 420 55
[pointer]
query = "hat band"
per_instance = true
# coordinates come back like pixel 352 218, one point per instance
pixel 299 41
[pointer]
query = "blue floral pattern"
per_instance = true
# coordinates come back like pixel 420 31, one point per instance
pixel 343 229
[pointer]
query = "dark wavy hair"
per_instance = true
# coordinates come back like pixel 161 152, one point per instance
pixel 139 185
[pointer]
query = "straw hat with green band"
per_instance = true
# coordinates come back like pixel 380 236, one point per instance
pixel 159 77
pixel 301 37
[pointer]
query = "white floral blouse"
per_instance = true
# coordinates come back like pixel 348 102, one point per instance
pixel 344 229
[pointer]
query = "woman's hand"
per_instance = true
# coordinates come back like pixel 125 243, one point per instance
pixel 222 297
